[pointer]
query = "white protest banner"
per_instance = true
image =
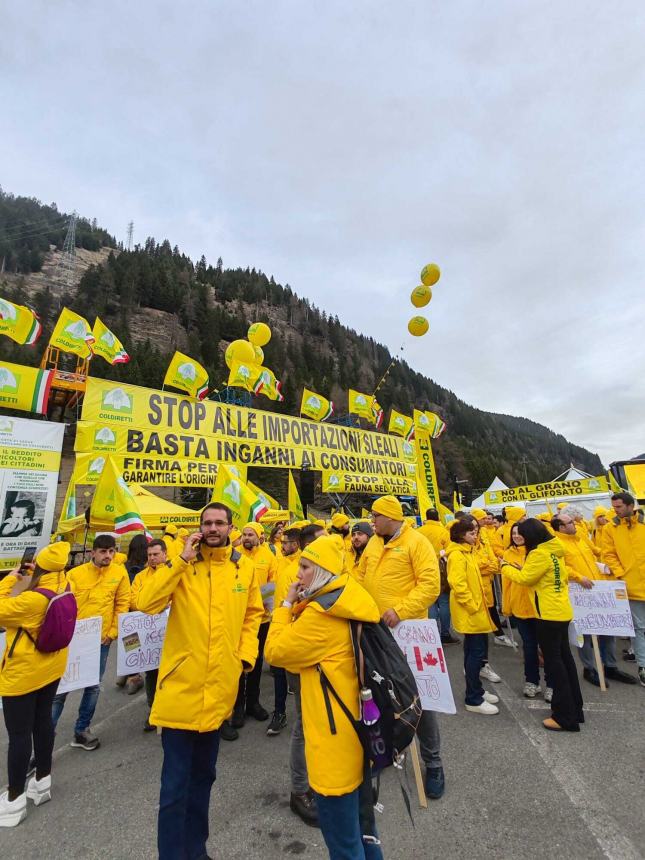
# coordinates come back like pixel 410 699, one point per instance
pixel 29 463
pixel 140 642
pixel 602 610
pixel 420 642
pixel 84 656
pixel 268 594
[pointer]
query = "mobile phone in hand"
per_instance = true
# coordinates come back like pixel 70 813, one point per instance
pixel 27 557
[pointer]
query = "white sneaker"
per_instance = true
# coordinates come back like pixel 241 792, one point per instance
pixel 491 698
pixel 12 812
pixel 503 640
pixel 39 790
pixel 487 673
pixel 531 690
pixel 484 708
pixel 548 694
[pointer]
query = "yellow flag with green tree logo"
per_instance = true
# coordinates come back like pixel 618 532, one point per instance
pixel 107 344
pixel 246 506
pixel 19 323
pixel 73 334
pixel 294 503
pixel 188 375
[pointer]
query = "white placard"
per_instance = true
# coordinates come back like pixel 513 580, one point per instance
pixel 268 595
pixel 421 643
pixel 602 610
pixel 29 463
pixel 84 657
pixel 140 642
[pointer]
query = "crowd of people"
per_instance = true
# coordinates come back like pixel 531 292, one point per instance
pixel 239 598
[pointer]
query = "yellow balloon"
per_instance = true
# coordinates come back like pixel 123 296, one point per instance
pixel 259 354
pixel 239 350
pixel 259 334
pixel 430 274
pixel 420 296
pixel 418 326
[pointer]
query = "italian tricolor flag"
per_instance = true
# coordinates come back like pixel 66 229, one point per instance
pixel 40 396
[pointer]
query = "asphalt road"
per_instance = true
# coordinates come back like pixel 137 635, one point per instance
pixel 513 789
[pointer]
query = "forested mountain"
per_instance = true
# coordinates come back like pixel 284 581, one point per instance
pixel 157 300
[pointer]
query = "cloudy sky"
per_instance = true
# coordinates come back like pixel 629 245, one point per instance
pixel 340 146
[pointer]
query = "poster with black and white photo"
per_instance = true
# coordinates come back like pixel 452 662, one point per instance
pixel 30 454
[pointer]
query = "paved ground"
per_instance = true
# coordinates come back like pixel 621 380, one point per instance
pixel 513 789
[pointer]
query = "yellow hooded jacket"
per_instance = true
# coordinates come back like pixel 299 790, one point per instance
pixel 580 560
pixel 436 533
pixel 139 581
pixel 213 626
pixel 516 598
pixel 319 634
pixel 623 550
pixel 488 564
pixel 103 591
pixel 468 606
pixel 287 573
pixel 265 565
pixel 28 669
pixel 545 572
pixel 402 574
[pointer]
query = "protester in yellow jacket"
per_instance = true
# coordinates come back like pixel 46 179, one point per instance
pixel 361 534
pixel 212 635
pixel 469 612
pixel 310 632
pixel 546 574
pixel 28 680
pixel 623 549
pixel 501 539
pixel 169 537
pixel 340 526
pixel 600 519
pixel 435 532
pixel 584 570
pixel 400 570
pixel 102 589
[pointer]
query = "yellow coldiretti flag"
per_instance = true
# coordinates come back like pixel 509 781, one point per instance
pixel 246 506
pixel 269 385
pixel 445 513
pixel 72 334
pixel 315 406
pixel 400 424
pixel 114 502
pixel 614 486
pixel 437 426
pixel 268 500
pixel 245 375
pixel 455 502
pixel 24 388
pixel 295 505
pixel 360 404
pixel 19 323
pixel 107 344
pixel 377 413
pixel 188 375
pixel 365 514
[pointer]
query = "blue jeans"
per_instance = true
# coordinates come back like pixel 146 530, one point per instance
pixel 440 611
pixel 607 648
pixel 187 776
pixel 638 617
pixel 528 631
pixel 341 828
pixel 475 649
pixel 88 701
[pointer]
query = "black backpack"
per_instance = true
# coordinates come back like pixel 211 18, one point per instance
pixel 383 669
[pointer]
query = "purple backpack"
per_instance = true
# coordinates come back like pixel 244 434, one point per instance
pixel 58 625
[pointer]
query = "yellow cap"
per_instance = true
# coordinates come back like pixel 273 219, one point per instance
pixel 300 524
pixel 235 534
pixel 600 511
pixel 562 505
pixel 388 506
pixel 478 513
pixel 339 520
pixel 320 523
pixel 256 527
pixel 545 516
pixel 171 529
pixel 325 552
pixel 182 533
pixel 53 557
pixel 513 515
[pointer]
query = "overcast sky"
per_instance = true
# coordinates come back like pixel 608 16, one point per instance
pixel 340 146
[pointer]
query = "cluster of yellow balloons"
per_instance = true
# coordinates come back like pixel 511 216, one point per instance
pixel 421 296
pixel 249 351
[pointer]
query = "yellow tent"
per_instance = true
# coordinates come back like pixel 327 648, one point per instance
pixel 158 513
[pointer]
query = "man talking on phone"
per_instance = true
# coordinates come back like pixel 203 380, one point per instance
pixel 212 636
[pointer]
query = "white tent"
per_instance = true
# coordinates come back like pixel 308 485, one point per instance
pixel 480 501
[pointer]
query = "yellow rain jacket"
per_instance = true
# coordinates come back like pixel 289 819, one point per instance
pixel 468 607
pixel 546 574
pixel 516 598
pixel 579 558
pixel 103 591
pixel 28 669
pixel 623 550
pixel 213 626
pixel 265 565
pixel 139 581
pixel 287 573
pixel 299 641
pixel 436 533
pixel 402 574
pixel 488 565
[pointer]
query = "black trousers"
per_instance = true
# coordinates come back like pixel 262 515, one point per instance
pixel 560 668
pixel 26 717
pixel 248 693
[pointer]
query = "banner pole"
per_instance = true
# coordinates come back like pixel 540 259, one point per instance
pixel 416 767
pixel 599 666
